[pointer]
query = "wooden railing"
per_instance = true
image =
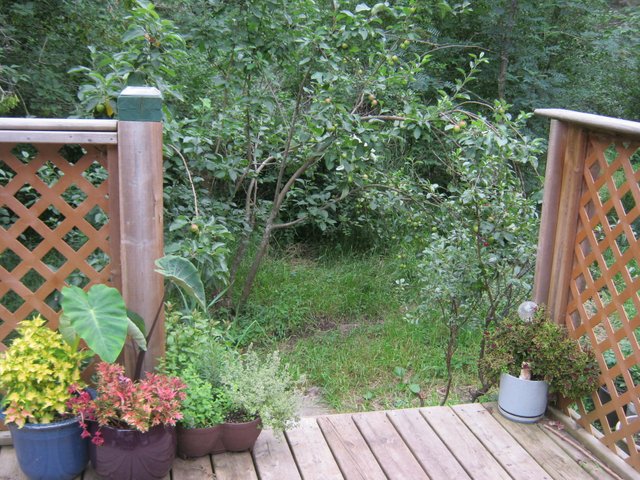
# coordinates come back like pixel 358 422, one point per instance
pixel 81 203
pixel 588 264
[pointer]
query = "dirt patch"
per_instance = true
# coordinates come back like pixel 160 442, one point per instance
pixel 313 404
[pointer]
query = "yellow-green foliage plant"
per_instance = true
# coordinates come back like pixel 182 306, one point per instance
pixel 36 372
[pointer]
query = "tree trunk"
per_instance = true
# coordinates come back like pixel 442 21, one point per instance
pixel 255 265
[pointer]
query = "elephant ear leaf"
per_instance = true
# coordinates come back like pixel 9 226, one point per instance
pixel 65 329
pixel 136 329
pixel 99 317
pixel 184 274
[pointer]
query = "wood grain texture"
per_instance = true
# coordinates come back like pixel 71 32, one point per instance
pixel 553 459
pixel 349 448
pixel 565 233
pixel 549 215
pixel 579 455
pixel 192 469
pixel 233 466
pixel 140 177
pixel 273 459
pixel 311 452
pixel 58 124
pixel 509 453
pixel 389 448
pixel 464 445
pixel 593 122
pixel 436 459
pixel 20 136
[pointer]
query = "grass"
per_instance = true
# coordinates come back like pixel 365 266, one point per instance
pixel 339 320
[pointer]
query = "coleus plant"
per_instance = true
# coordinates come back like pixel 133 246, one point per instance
pixel 127 404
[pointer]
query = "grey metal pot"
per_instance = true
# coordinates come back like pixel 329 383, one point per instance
pixel 523 401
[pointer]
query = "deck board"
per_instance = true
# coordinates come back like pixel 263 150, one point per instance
pixel 311 452
pixel 437 460
pixel 349 448
pixel 192 469
pixel 466 442
pixel 575 451
pixel 386 444
pixel 464 445
pixel 233 466
pixel 9 469
pixel 273 458
pixel 553 459
pixel 505 449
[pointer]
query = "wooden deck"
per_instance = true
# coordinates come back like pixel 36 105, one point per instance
pixel 460 442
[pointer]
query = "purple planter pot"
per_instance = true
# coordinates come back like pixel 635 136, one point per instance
pixel 132 455
pixel 197 442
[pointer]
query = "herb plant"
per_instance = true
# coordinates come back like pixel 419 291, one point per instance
pixel 36 372
pixel 261 385
pixel 204 405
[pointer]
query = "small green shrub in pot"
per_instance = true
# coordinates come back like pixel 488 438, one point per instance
pixel 36 373
pixel 204 405
pixel 260 385
pixel 545 349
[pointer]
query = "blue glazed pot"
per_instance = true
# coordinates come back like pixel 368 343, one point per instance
pixel 52 451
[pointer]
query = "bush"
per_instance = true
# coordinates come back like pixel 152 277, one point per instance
pixel 260 385
pixel 551 354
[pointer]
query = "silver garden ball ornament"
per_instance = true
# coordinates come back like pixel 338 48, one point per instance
pixel 527 310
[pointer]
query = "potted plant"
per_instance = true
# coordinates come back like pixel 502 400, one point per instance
pixel 36 372
pixel 131 423
pixel 531 358
pixel 263 392
pixel 203 412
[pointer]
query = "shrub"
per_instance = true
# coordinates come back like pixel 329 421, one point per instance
pixel 551 354
pixel 204 405
pixel 260 385
pixel 36 372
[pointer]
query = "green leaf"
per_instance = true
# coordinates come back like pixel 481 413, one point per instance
pixel 65 329
pixel 362 7
pixel 399 372
pixel 133 33
pixel 184 274
pixel 414 388
pixel 99 317
pixel 136 329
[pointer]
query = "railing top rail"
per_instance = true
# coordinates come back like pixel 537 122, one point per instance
pixel 592 122
pixel 56 124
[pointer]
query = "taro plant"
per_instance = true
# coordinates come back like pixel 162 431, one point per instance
pixel 36 372
pixel 100 318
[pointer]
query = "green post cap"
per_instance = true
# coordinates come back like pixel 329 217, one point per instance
pixel 140 104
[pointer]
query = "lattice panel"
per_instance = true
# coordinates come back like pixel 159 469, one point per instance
pixel 53 227
pixel 603 304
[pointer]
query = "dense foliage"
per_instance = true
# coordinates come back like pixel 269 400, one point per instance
pixel 36 374
pixel 387 126
pixel 547 351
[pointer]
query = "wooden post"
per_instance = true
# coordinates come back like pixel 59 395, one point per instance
pixel 550 206
pixel 565 234
pixel 140 216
